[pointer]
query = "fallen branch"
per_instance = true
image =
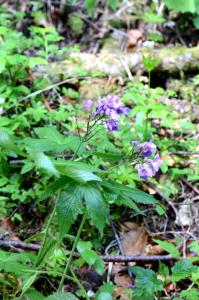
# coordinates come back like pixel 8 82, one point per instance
pixel 190 185
pixel 11 244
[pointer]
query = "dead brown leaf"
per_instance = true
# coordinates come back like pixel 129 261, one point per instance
pixel 119 292
pixel 134 238
pixel 134 36
pixel 122 280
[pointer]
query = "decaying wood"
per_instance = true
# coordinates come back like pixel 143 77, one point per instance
pixel 171 59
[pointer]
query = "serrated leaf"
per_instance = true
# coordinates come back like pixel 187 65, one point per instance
pixel 168 247
pixel 43 162
pixel 132 193
pixel 163 270
pixel 61 296
pixel 68 207
pixel 192 294
pixel 78 171
pixel 182 270
pixel 95 207
pixel 146 283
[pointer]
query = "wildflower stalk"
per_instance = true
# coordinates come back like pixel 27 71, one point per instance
pixel 47 228
pixel 72 252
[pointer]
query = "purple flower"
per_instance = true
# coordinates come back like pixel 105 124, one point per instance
pixel 88 104
pixel 149 168
pixel 111 125
pixel 111 106
pixel 147 148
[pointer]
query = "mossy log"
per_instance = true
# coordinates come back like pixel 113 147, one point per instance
pixel 118 64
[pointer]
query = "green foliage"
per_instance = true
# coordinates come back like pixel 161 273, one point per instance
pixel 168 247
pixel 146 284
pixel 61 296
pixel 191 6
pixel 183 269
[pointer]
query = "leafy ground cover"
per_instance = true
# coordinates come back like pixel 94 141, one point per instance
pixel 99 156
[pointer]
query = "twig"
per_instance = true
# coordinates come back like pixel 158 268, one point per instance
pixel 190 185
pixel 107 258
pixel 183 153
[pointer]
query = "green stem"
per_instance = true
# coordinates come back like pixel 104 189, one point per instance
pixel 47 228
pixel 79 284
pixel 72 252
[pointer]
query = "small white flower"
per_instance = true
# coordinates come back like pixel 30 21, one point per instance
pixel 148 44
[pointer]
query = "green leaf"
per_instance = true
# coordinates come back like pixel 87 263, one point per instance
pixel 33 294
pixel 27 284
pixel 163 270
pixel 106 290
pixel 95 207
pixel 132 193
pixel 146 283
pixel 34 61
pixel 90 256
pixel 82 246
pixel 182 270
pixel 90 6
pixel 7 143
pixel 168 247
pixel 192 294
pixel 78 171
pixel 45 251
pixel 99 266
pixel 43 162
pixel 185 6
pixel 104 296
pixel 2 64
pixel 68 207
pixel 61 296
pixel 54 137
pixel 112 4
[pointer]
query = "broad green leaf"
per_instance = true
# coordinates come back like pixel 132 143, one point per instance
pixel 90 6
pixel 53 187
pixel 57 140
pixel 14 263
pixel 105 289
pixel 90 256
pixel 99 266
pixel 78 171
pixel 34 61
pixel 146 283
pixel 95 207
pixel 68 207
pixel 33 294
pixel 110 157
pixel 104 296
pixel 61 296
pixel 132 193
pixel 7 143
pixel 82 246
pixel 182 270
pixel 43 162
pixel 168 247
pixel 2 64
pixel 192 294
pixel 183 6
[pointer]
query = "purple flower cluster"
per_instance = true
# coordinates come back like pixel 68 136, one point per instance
pixel 149 167
pixel 111 107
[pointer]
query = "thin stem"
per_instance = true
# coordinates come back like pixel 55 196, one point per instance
pixel 72 252
pixel 79 284
pixel 47 228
